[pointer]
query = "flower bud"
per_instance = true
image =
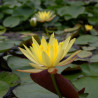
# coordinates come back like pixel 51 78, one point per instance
pixel 33 21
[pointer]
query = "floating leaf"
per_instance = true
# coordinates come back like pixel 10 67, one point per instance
pixel 81 59
pixel 11 21
pixel 90 69
pixel 3 88
pixel 94 32
pixel 23 12
pixel 85 39
pixel 10 78
pixel 72 11
pixel 6 45
pixel 1 15
pixel 61 69
pixel 95 44
pixel 20 63
pixel 33 91
pixel 2 29
pixel 84 54
pixel 89 82
pixel 88 48
pixel 94 58
pixel 59 32
pixel 90 85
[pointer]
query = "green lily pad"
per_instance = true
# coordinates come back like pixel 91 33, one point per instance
pixel 90 85
pixel 81 59
pixel 95 44
pixel 11 21
pixel 7 44
pixel 72 49
pixel 72 11
pixel 90 69
pixel 89 81
pixel 94 58
pixel 88 48
pixel 3 88
pixel 2 29
pixel 10 78
pixel 20 63
pixel 1 15
pixel 84 54
pixel 94 32
pixel 85 39
pixel 33 91
pixel 83 95
pixel 62 68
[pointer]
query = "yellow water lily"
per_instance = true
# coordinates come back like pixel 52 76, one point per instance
pixel 48 55
pixel 43 16
pixel 88 27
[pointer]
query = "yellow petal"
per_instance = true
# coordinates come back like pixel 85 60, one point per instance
pixel 30 70
pixel 30 53
pixel 51 53
pixel 65 43
pixel 46 59
pixel 69 46
pixel 70 61
pixel 69 58
pixel 51 40
pixel 35 42
pixel 43 42
pixel 37 66
pixel 27 55
pixel 59 57
pixel 35 50
pixel 51 18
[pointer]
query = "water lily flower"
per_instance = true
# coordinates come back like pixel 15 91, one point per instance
pixel 48 55
pixel 44 16
pixel 88 27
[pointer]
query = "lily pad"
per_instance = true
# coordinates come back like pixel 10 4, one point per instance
pixel 11 21
pixel 3 88
pixel 90 69
pixel 88 48
pixel 89 81
pixel 94 32
pixel 10 78
pixel 95 44
pixel 84 54
pixel 81 59
pixel 85 39
pixel 90 85
pixel 33 91
pixel 6 45
pixel 2 29
pixel 73 11
pixel 20 63
pixel 94 58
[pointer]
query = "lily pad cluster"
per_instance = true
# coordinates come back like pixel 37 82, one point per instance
pixel 18 13
pixel 70 19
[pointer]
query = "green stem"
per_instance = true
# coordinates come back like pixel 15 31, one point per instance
pixel 46 29
pixel 55 85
